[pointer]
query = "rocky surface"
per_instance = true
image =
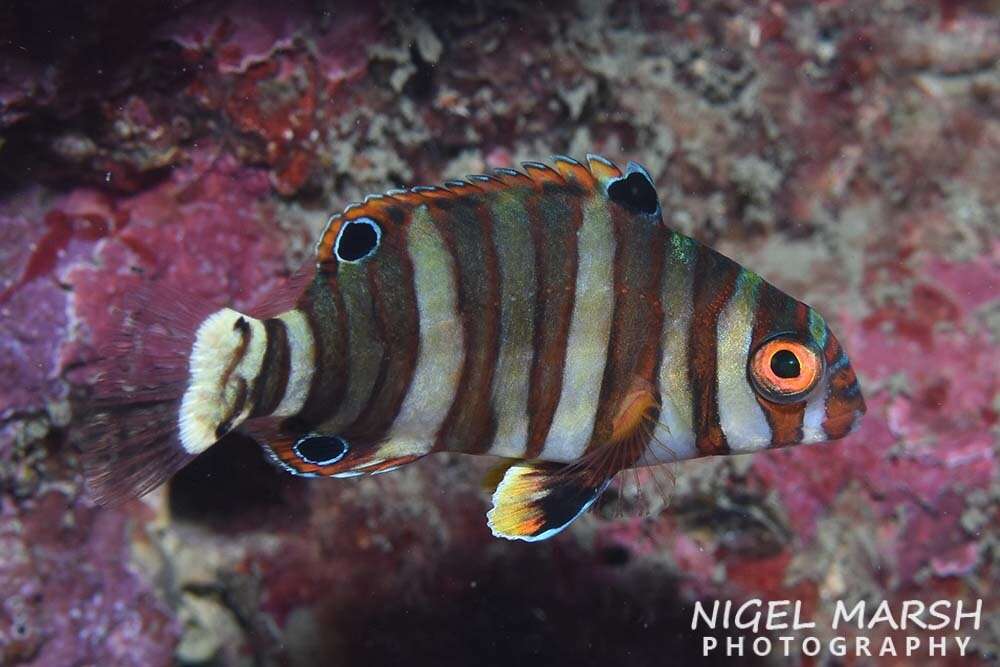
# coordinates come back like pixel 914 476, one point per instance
pixel 846 151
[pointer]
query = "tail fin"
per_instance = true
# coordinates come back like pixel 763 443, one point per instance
pixel 129 430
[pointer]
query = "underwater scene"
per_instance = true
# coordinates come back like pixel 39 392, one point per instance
pixel 486 333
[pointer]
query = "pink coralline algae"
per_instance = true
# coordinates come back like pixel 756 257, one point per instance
pixel 847 151
pixel 181 235
pixel 69 595
pixel 268 67
pixel 69 591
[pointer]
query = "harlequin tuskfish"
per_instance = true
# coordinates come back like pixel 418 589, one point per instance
pixel 547 316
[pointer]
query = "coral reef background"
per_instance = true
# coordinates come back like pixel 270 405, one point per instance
pixel 846 150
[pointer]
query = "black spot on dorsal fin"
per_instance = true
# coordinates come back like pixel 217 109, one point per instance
pixel 635 191
pixel 358 240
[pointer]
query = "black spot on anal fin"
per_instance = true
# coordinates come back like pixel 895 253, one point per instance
pixel 321 449
pixel 635 192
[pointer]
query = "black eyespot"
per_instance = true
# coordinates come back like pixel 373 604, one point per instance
pixel 321 449
pixel 785 364
pixel 357 240
pixel 635 192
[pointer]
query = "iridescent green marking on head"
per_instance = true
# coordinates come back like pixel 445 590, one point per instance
pixel 682 248
pixel 748 283
pixel 817 328
pixel 748 286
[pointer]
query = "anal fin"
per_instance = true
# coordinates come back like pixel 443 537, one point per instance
pixel 326 454
pixel 536 500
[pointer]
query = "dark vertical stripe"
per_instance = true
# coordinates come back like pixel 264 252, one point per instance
pixel 365 341
pixel 633 355
pixel 555 216
pixel 785 421
pixel 390 281
pixel 516 263
pixel 775 313
pixel 714 281
pixel 269 385
pixel 246 333
pixel 226 425
pixel 844 402
pixel 324 310
pixel 465 226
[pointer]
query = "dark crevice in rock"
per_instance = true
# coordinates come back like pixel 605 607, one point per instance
pixel 231 487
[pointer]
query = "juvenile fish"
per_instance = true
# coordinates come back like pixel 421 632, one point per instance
pixel 546 316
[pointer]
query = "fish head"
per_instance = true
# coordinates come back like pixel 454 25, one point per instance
pixel 804 387
pixel 843 403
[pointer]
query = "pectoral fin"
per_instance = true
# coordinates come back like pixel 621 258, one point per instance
pixel 536 500
pixel 491 480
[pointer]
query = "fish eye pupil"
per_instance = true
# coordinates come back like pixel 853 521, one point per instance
pixel 785 364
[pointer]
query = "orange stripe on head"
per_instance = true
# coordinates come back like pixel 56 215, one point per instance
pixel 844 403
pixel 785 422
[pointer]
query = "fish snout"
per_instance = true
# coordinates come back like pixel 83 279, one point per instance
pixel 845 404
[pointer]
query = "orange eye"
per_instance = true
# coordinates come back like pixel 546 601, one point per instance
pixel 784 370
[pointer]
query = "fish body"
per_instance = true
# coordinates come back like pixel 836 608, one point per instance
pixel 546 316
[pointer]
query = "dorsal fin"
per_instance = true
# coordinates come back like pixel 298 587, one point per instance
pixel 574 172
pixel 603 169
pixel 596 174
